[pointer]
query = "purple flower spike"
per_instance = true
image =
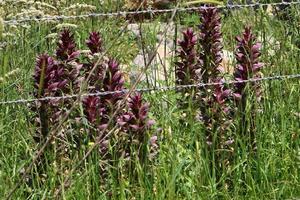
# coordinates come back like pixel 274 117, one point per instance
pixel 66 50
pixel 136 119
pixel 210 59
pixel 248 66
pixel 94 42
pixel 92 108
pixel 98 110
pixel 214 101
pixel 134 125
pixel 211 45
pixel 48 77
pixel 187 60
pixel 113 81
pixel 220 93
pixel 49 80
pixel 247 56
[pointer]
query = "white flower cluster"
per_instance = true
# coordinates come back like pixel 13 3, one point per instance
pixel 24 9
pixel 9 75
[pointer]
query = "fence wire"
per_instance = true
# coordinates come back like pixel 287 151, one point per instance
pixel 148 11
pixel 154 89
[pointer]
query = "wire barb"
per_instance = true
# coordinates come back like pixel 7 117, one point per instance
pixel 148 11
pixel 154 89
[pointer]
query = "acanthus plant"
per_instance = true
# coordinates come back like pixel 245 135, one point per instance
pixel 99 109
pixel 67 57
pixel 133 140
pixel 66 47
pixel 214 100
pixel 65 73
pixel 210 62
pixel 186 66
pixel 93 68
pixel 49 80
pixel 200 62
pixel 135 124
pixel 248 67
pixel 94 42
pixel 104 76
pixel 106 112
pixel 210 40
pixel 107 77
pixel 54 77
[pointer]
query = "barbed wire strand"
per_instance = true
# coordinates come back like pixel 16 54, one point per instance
pixel 148 11
pixel 163 88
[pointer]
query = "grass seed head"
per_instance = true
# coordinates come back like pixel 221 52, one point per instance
pixel 1 27
pixel 66 26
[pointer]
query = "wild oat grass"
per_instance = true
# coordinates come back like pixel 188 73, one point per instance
pixel 1 27
pixel 9 76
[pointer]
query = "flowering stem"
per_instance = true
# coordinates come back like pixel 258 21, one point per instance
pixel 248 66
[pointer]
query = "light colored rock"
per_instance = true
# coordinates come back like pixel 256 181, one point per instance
pixel 134 28
pixel 139 60
pixel 269 42
pixel 159 69
pixel 228 61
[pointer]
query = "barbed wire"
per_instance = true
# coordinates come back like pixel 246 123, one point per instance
pixel 148 11
pixel 154 89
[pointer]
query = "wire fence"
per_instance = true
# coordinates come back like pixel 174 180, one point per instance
pixel 148 11
pixel 154 89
